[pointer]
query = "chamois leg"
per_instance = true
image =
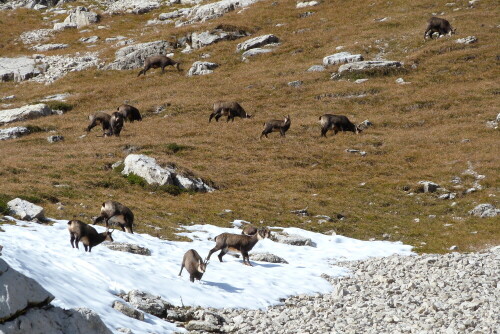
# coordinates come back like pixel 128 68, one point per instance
pixel 77 240
pixel 182 267
pixel 217 117
pixel 246 259
pixel 144 70
pixel 222 253
pixel 324 130
pixel 211 116
pixel 213 250
pixel 129 229
pixel 92 125
pixel 72 239
pixel 282 132
pixel 191 278
pixel 163 69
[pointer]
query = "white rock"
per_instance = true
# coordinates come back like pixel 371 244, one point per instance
pixel 81 17
pixel 341 58
pixel 55 138
pixel 58 66
pixel 306 4
pixel 133 6
pixel 213 10
pixel 257 42
pixel 429 186
pixel 24 113
pixel 25 210
pixel 368 65
pixel 316 68
pixel 91 39
pixel 358 81
pixel 467 40
pixel 35 36
pixel 254 52
pixel 202 68
pixel 11 133
pixel 64 25
pixel 17 69
pixel 199 40
pixel 133 56
pixel 485 210
pixel 48 47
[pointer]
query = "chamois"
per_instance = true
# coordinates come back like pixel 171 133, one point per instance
pixel 337 123
pixel 79 231
pixel 116 123
pixel 249 230
pixel 194 264
pixel 100 118
pixel 242 243
pixel 157 62
pixel 439 25
pixel 276 125
pixel 129 113
pixel 231 109
pixel 119 214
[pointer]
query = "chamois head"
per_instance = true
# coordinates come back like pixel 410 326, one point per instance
pixel 263 233
pixel 202 266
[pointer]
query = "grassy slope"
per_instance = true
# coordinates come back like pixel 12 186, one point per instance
pixel 418 130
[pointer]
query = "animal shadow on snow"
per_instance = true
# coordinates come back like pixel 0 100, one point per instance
pixel 223 286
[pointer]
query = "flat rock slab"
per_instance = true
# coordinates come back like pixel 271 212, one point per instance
pixel 199 40
pixel 267 257
pixel 49 47
pixel 292 239
pixel 316 68
pixel 361 66
pixel 15 132
pixel 128 248
pixel 24 113
pixel 257 42
pixel 201 68
pixel 25 210
pixel 149 303
pixel 255 52
pixel 341 58
pixel 17 69
pixel 306 4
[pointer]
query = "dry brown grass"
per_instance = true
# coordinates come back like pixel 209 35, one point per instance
pixel 417 135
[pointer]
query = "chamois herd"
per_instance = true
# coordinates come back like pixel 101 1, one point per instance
pixel 115 213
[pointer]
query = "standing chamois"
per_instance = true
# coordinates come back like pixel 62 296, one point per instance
pixel 276 125
pixel 337 123
pixel 129 113
pixel 239 242
pixel 157 62
pixel 103 119
pixel 116 123
pixel 118 213
pixel 439 25
pixel 231 109
pixel 194 264
pixel 79 231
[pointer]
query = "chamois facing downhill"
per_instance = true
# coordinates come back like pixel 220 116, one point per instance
pixel 100 118
pixel 439 25
pixel 231 109
pixel 116 123
pixel 79 231
pixel 129 113
pixel 239 242
pixel 337 123
pixel 194 264
pixel 157 62
pixel 276 125
pixel 116 213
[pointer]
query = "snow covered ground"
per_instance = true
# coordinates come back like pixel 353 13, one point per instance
pixel 80 279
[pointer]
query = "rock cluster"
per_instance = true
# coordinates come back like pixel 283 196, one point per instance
pixel 202 68
pixel 485 211
pixel 133 56
pixel 58 66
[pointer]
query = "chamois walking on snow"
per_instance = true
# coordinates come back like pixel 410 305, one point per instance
pixel 194 264
pixel 276 125
pixel 157 62
pixel 337 123
pixel 118 213
pixel 79 231
pixel 231 109
pixel 239 242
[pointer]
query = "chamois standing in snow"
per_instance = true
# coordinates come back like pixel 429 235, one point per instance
pixel 239 242
pixel 157 62
pixel 194 264
pixel 337 123
pixel 118 213
pixel 231 109
pixel 79 231
pixel 276 125
pixel 439 25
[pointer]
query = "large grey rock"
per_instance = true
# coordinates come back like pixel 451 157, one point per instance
pixel 257 42
pixel 148 303
pixel 128 311
pixel 255 52
pixel 147 168
pixel 15 132
pixel 24 113
pixel 36 36
pixel 60 65
pixel 485 210
pixel 133 6
pixel 17 69
pixel 49 47
pixel 316 68
pixel 361 66
pixel 203 326
pixel 341 58
pixel 213 10
pixel 292 239
pixel 25 210
pixel 201 68
pixel 18 292
pixel 133 56
pixel 173 15
pixel 82 17
pixel 128 248
pixel 267 257
pixel 64 26
pixel 199 40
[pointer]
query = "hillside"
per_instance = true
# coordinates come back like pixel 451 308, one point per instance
pixel 433 128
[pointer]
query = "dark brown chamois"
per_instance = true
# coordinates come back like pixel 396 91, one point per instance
pixel 130 113
pixel 157 62
pixel 337 123
pixel 439 25
pixel 276 125
pixel 231 109
pixel 116 123
pixel 116 213
pixel 239 242
pixel 103 119
pixel 79 231
pixel 194 264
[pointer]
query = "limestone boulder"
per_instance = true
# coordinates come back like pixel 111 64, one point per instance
pixel 133 56
pixel 341 58
pixel 24 113
pixel 485 210
pixel 15 132
pixel 202 68
pixel 133 6
pixel 128 311
pixel 316 68
pixel 257 42
pixel 428 186
pixel 255 52
pixel 213 10
pixel 267 257
pixel 361 66
pixel 292 239
pixel 17 69
pixel 128 248
pixel 25 210
pixel 467 40
pixel 199 40
pixel 49 47
pixel 149 303
pixel 81 17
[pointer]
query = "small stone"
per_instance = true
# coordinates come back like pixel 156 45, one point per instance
pixel 55 138
pixel 296 83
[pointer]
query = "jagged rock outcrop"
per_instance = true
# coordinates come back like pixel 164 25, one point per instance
pixel 133 56
pixel 15 132
pixel 36 36
pixel 82 17
pixel 147 168
pixel 60 65
pixel 257 42
pixel 201 68
pixel 25 210
pixel 24 113
pixel 148 303
pixel 18 69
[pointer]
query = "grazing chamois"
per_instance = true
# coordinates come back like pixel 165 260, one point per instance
pixel 439 25
pixel 337 123
pixel 194 264
pixel 249 230
pixel 116 123
pixel 79 231
pixel 239 242
pixel 231 109
pixel 129 113
pixel 103 119
pixel 157 62
pixel 117 213
pixel 276 125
